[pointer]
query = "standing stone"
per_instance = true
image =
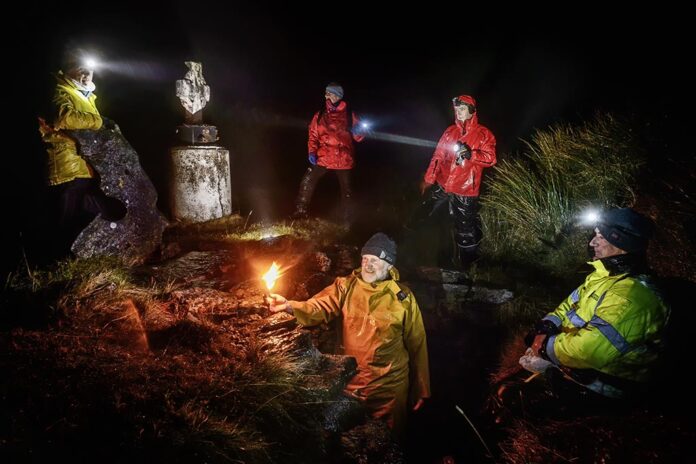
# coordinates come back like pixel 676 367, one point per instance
pixel 139 234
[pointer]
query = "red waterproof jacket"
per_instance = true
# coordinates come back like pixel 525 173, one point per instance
pixel 465 179
pixel 330 137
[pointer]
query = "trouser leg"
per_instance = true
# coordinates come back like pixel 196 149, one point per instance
pixel 347 205
pixel 307 185
pixel 467 228
pixel 70 196
pixel 72 216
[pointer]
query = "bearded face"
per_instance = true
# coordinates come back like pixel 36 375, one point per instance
pixel 374 269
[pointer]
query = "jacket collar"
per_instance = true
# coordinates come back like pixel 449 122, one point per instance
pixel 332 109
pixel 629 263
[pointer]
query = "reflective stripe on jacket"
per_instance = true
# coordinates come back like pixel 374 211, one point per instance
pixel 465 179
pixel 383 329
pixel 73 111
pixel 611 323
pixel 331 137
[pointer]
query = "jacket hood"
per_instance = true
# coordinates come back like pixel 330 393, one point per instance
pixel 474 118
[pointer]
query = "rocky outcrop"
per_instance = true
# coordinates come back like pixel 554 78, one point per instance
pixel 139 234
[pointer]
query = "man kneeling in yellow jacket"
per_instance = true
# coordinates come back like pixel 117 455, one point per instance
pixel 382 328
pixel 608 334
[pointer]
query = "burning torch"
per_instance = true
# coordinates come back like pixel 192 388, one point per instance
pixel 270 278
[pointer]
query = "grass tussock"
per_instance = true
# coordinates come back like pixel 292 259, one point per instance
pixel 233 229
pixel 531 210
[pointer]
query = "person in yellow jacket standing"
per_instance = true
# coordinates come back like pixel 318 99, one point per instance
pixel 70 176
pixel 607 335
pixel 382 328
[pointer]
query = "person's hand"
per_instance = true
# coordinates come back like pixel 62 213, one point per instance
pixel 312 159
pixel 424 186
pixel 537 343
pixel 534 363
pixel 463 152
pixel 419 404
pixel 277 303
pixel 108 123
pixel 544 327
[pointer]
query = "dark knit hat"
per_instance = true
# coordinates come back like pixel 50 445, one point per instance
pixel 626 229
pixel 335 89
pixel 72 58
pixel 381 246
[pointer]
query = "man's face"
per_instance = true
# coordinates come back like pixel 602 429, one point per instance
pixel 81 74
pixel 374 269
pixel 462 113
pixel 333 98
pixel 602 248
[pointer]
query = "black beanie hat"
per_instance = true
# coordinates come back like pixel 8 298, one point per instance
pixel 381 246
pixel 626 229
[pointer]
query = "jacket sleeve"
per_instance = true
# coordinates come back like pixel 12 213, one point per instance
pixel 313 140
pixel 598 342
pixel 484 155
pixel 322 307
pixel 559 316
pixel 438 155
pixel 417 347
pixel 356 121
pixel 69 118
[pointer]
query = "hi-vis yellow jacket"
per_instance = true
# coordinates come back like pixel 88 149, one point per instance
pixel 73 111
pixel 611 323
pixel 383 329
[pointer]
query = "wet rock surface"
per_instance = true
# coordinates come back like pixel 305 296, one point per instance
pixel 370 443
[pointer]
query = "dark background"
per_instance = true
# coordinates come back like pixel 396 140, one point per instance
pixel 267 67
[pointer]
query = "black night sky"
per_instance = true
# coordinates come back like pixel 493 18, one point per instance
pixel 267 69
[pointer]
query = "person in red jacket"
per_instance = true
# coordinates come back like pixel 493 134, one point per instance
pixel 464 150
pixel 330 147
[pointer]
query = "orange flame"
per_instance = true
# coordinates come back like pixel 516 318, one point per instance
pixel 271 275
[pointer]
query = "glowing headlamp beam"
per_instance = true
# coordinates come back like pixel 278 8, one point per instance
pixel 402 139
pixel 90 63
pixel 590 217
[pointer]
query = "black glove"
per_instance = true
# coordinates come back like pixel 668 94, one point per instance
pixel 542 327
pixel 463 152
pixel 107 123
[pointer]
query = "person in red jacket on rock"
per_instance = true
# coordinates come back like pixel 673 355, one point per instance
pixel 331 134
pixel 464 150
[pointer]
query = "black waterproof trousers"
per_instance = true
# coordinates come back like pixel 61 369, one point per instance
pixel 78 202
pixel 309 183
pixel 464 214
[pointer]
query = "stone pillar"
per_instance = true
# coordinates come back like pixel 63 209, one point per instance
pixel 201 186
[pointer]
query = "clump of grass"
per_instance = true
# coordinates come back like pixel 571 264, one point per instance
pixel 531 208
pixel 306 229
pixel 87 275
pixel 214 438
pixel 238 229
pixel 96 282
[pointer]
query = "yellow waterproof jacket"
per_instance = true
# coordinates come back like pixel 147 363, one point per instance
pixel 73 111
pixel 383 329
pixel 611 323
